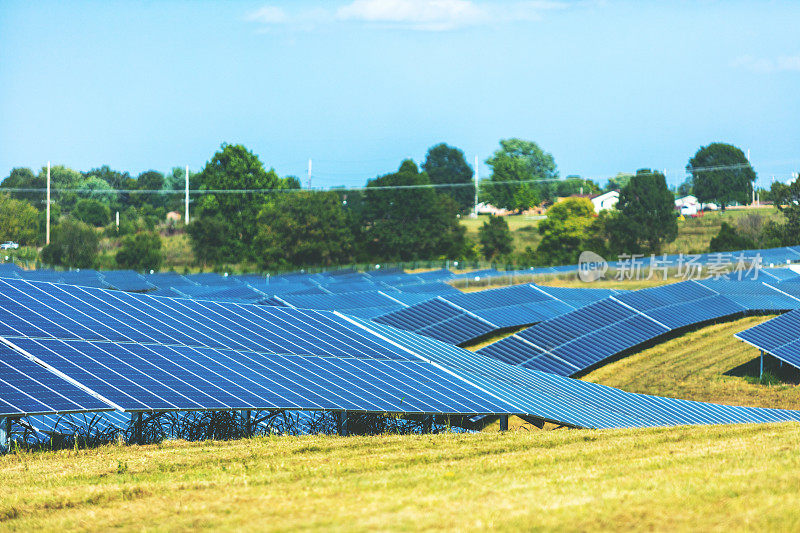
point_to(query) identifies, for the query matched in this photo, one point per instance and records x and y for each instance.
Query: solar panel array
(569, 401)
(465, 317)
(779, 337)
(145, 353)
(573, 342)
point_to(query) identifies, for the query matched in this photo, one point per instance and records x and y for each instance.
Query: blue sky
(359, 85)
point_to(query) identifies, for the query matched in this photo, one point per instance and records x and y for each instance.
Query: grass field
(705, 365)
(689, 478)
(694, 234)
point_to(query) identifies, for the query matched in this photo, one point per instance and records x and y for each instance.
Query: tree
(150, 181)
(728, 240)
(19, 221)
(575, 185)
(619, 181)
(233, 167)
(140, 252)
(685, 188)
(518, 160)
(445, 165)
(96, 189)
(91, 212)
(721, 173)
(116, 180)
(495, 238)
(647, 217)
(787, 200)
(564, 230)
(303, 228)
(409, 224)
(23, 178)
(72, 244)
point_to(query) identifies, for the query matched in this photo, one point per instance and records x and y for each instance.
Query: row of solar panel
(578, 340)
(405, 372)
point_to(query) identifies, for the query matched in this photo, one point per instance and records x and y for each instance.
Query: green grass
(689, 478)
(698, 366)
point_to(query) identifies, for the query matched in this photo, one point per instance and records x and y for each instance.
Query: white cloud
(269, 15)
(425, 15)
(416, 14)
(765, 65)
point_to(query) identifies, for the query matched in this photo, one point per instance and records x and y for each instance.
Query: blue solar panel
(779, 337)
(580, 339)
(574, 402)
(29, 388)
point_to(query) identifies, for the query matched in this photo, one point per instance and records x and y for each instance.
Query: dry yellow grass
(689, 478)
(694, 367)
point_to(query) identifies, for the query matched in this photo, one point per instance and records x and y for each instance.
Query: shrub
(140, 252)
(73, 244)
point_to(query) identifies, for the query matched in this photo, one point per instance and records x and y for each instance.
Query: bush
(140, 252)
(73, 244)
(92, 212)
(727, 240)
(495, 238)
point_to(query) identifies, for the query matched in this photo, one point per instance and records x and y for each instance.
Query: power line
(483, 183)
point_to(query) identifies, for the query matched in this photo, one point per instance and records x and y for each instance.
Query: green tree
(575, 185)
(518, 160)
(95, 188)
(685, 188)
(91, 212)
(19, 221)
(446, 165)
(24, 178)
(233, 167)
(564, 231)
(149, 182)
(721, 173)
(409, 224)
(140, 252)
(787, 200)
(303, 228)
(646, 219)
(525, 197)
(495, 238)
(116, 180)
(728, 240)
(72, 244)
(619, 181)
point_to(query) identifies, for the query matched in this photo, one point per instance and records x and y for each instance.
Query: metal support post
(5, 434)
(504, 423)
(248, 424)
(136, 418)
(761, 372)
(427, 424)
(342, 423)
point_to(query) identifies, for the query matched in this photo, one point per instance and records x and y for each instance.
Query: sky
(359, 85)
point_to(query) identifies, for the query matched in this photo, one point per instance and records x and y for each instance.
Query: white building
(605, 201)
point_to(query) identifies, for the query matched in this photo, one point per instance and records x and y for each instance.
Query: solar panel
(779, 337)
(28, 388)
(146, 353)
(575, 341)
(570, 401)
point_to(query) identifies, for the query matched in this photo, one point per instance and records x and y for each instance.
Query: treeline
(246, 214)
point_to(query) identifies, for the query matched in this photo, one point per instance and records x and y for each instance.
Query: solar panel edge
(111, 405)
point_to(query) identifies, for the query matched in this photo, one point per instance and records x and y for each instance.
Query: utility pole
(309, 172)
(47, 231)
(186, 218)
(475, 175)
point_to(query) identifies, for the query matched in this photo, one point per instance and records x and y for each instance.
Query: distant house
(489, 209)
(607, 200)
(173, 217)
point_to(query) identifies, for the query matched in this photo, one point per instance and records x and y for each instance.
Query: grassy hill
(720, 478)
(707, 365)
(686, 478)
